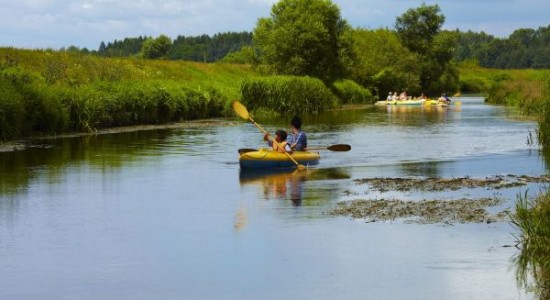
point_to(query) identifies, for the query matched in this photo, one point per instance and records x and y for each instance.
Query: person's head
(280, 135)
(296, 123)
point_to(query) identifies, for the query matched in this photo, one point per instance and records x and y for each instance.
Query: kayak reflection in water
(280, 186)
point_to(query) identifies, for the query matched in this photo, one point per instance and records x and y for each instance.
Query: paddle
(337, 148)
(241, 110)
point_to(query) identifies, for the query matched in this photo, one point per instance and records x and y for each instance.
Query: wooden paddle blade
(240, 110)
(301, 167)
(246, 150)
(339, 147)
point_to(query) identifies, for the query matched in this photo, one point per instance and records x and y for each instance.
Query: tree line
(310, 38)
(524, 48)
(202, 48)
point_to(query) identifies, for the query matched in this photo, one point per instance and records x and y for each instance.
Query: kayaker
(444, 99)
(282, 145)
(298, 138)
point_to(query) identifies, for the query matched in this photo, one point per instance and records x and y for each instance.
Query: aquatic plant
(532, 220)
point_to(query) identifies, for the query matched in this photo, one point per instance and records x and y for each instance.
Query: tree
(383, 64)
(418, 27)
(102, 48)
(305, 37)
(156, 48)
(420, 31)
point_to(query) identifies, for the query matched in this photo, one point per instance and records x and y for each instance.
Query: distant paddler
(444, 99)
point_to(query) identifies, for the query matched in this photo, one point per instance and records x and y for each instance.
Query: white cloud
(85, 23)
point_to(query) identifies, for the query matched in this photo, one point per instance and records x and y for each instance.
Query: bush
(351, 92)
(12, 111)
(122, 104)
(28, 106)
(53, 92)
(287, 94)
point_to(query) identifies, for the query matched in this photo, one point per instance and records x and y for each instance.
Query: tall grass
(287, 94)
(532, 219)
(528, 90)
(52, 92)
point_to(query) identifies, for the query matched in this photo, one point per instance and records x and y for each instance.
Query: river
(167, 214)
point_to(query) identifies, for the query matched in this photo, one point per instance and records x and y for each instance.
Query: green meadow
(49, 92)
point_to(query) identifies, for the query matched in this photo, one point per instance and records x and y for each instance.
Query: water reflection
(289, 184)
(280, 185)
(418, 115)
(427, 168)
(533, 266)
(51, 158)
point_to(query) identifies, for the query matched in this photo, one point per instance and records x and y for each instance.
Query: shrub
(287, 94)
(121, 104)
(351, 92)
(12, 111)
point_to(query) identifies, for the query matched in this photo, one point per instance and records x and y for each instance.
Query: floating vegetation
(423, 212)
(433, 184)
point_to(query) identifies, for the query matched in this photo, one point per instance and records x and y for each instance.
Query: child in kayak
(282, 145)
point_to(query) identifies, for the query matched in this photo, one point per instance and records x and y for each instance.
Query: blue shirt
(299, 139)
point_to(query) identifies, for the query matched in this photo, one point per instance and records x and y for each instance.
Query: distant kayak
(400, 102)
(435, 103)
(417, 102)
(268, 159)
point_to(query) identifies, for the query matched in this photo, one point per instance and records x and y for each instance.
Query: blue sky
(85, 23)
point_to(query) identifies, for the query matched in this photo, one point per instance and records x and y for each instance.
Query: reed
(532, 219)
(287, 94)
(48, 92)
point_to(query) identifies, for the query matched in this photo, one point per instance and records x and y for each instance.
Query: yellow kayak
(431, 102)
(400, 102)
(268, 159)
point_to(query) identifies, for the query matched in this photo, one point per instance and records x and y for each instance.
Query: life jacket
(282, 147)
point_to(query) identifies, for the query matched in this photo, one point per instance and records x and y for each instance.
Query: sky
(85, 23)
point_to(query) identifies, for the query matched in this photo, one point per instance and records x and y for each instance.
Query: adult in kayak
(298, 138)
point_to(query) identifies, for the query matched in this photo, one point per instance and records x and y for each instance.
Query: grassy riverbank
(527, 90)
(50, 92)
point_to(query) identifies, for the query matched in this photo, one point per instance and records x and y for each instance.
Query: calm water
(168, 215)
